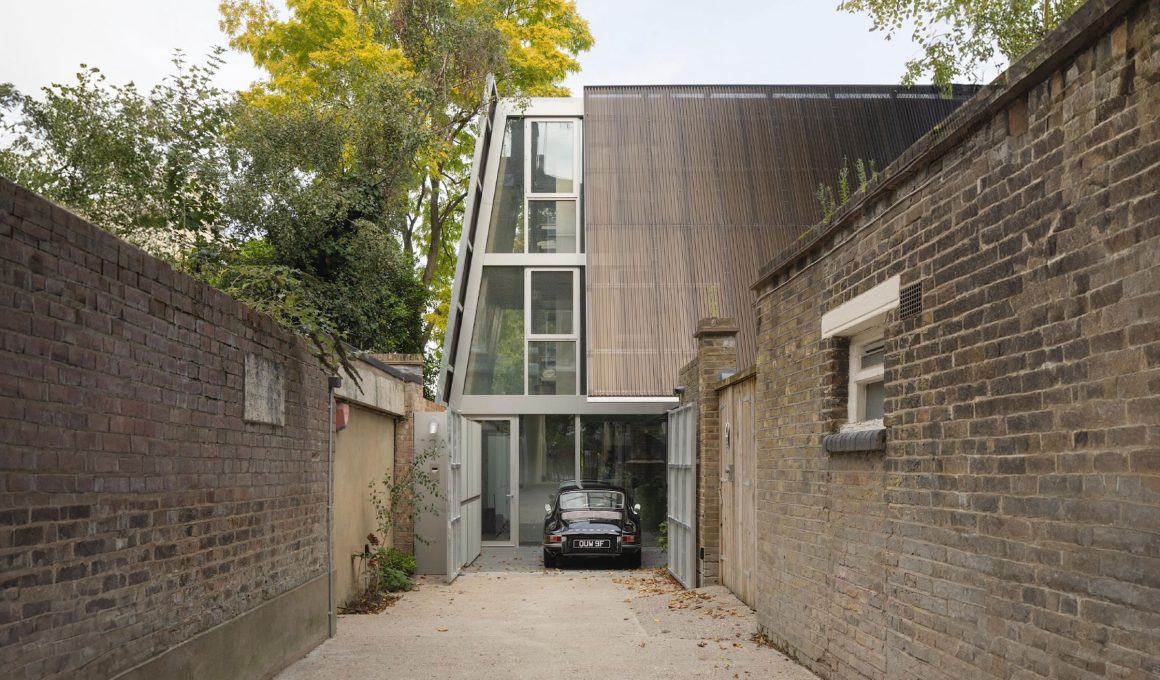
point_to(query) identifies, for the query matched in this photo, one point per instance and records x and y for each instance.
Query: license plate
(591, 543)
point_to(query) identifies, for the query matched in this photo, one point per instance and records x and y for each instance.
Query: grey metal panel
(471, 211)
(689, 190)
(682, 495)
(431, 546)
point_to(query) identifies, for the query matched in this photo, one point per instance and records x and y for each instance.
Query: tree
(148, 167)
(291, 213)
(444, 49)
(958, 37)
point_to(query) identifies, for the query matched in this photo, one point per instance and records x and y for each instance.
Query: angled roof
(689, 190)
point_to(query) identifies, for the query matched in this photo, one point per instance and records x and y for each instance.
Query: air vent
(910, 301)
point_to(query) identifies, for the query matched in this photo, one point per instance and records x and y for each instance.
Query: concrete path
(559, 623)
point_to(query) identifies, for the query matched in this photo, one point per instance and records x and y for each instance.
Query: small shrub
(393, 580)
(663, 536)
(396, 559)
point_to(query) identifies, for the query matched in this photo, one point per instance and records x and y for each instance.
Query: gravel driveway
(565, 623)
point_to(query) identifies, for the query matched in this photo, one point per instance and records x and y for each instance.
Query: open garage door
(682, 514)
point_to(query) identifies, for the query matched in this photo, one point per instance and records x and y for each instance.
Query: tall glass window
(553, 157)
(629, 451)
(495, 364)
(506, 232)
(547, 457)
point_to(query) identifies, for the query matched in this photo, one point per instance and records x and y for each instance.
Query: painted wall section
(364, 453)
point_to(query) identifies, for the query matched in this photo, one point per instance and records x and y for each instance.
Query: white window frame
(572, 196)
(863, 320)
(860, 377)
(530, 337)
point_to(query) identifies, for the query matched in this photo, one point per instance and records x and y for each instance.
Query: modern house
(599, 230)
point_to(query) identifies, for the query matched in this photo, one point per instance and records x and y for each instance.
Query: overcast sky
(637, 42)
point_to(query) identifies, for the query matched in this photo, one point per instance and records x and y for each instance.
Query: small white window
(862, 319)
(867, 385)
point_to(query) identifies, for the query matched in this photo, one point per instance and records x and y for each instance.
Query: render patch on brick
(265, 397)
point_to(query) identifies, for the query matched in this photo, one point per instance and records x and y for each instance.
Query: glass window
(495, 364)
(506, 231)
(553, 157)
(875, 400)
(552, 225)
(552, 303)
(592, 500)
(629, 451)
(552, 367)
(495, 483)
(547, 457)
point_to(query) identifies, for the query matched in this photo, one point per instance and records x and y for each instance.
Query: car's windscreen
(591, 500)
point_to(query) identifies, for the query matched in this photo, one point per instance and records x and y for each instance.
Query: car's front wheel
(549, 559)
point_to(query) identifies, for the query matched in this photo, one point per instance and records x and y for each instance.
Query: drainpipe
(333, 382)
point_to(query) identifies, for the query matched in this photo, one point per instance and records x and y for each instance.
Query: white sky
(637, 42)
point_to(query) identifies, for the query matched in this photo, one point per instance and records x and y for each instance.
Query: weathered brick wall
(1012, 527)
(137, 509)
(716, 353)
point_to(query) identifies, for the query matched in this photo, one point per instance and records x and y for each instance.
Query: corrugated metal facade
(689, 190)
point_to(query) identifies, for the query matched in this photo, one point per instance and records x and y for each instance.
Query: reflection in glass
(552, 303)
(506, 232)
(875, 400)
(496, 483)
(552, 367)
(547, 457)
(552, 225)
(629, 451)
(495, 364)
(553, 157)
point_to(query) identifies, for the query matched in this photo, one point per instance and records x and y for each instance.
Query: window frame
(860, 377)
(572, 196)
(529, 337)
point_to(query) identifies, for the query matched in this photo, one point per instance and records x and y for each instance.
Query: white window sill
(875, 424)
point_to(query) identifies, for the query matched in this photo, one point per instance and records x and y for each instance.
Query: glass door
(499, 500)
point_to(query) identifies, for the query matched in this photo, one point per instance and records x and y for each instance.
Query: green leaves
(960, 37)
(148, 167)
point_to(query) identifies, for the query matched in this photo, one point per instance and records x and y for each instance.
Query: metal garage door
(682, 515)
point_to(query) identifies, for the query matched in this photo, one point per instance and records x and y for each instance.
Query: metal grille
(910, 301)
(690, 190)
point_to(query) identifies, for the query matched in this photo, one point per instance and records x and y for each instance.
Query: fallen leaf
(442, 629)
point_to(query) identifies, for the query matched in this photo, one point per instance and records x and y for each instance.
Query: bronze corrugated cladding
(689, 190)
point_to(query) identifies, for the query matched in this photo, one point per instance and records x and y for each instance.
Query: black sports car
(592, 519)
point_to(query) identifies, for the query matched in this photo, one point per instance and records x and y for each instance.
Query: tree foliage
(958, 37)
(269, 208)
(440, 52)
(147, 166)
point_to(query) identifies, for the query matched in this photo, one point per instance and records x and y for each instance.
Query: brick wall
(1012, 527)
(137, 508)
(404, 531)
(716, 353)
